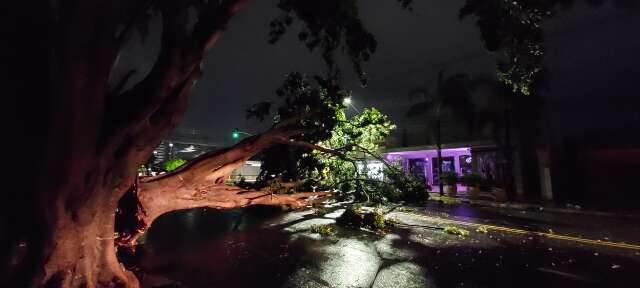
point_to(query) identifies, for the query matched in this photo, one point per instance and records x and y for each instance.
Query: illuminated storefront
(423, 163)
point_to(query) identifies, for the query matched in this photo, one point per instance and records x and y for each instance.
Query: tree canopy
(515, 30)
(333, 151)
(310, 108)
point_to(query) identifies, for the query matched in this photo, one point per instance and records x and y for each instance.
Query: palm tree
(453, 95)
(497, 115)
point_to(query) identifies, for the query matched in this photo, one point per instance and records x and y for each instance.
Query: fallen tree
(201, 183)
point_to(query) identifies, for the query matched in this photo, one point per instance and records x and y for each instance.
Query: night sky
(243, 68)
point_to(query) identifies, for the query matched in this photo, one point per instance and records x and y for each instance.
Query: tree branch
(180, 55)
(149, 134)
(336, 152)
(117, 89)
(122, 37)
(157, 200)
(200, 182)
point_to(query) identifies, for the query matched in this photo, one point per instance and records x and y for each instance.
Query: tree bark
(79, 248)
(201, 183)
(84, 140)
(82, 251)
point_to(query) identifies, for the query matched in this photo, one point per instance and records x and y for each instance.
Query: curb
(595, 242)
(539, 208)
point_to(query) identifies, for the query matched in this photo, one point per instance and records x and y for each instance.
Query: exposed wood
(201, 183)
(157, 200)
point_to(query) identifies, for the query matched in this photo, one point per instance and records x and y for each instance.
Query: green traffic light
(235, 135)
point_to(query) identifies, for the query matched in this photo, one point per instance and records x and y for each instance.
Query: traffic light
(235, 135)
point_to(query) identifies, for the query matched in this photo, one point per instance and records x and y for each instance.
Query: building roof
(474, 145)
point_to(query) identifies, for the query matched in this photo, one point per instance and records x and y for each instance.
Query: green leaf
(173, 164)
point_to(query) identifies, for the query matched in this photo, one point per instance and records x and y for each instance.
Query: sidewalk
(572, 222)
(574, 209)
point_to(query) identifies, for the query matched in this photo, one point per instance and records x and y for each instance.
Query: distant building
(249, 171)
(462, 158)
(190, 144)
(181, 144)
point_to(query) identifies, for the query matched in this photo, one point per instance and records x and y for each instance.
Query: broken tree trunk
(201, 183)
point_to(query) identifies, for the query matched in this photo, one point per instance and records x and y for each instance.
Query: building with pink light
(462, 158)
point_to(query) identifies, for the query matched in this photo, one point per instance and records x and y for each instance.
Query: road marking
(535, 233)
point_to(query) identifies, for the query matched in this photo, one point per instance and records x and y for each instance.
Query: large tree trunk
(85, 138)
(81, 250)
(77, 193)
(65, 224)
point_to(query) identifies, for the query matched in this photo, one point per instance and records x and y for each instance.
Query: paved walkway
(488, 201)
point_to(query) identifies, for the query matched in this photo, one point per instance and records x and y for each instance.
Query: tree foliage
(359, 138)
(337, 147)
(329, 25)
(308, 108)
(173, 164)
(515, 30)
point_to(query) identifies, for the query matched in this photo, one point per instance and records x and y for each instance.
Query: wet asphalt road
(264, 247)
(614, 227)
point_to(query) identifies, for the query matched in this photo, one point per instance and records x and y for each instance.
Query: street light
(170, 150)
(349, 102)
(235, 134)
